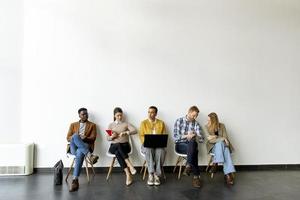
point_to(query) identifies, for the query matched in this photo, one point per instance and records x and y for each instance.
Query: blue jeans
(79, 149)
(191, 149)
(222, 155)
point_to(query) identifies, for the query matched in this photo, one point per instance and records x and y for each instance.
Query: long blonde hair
(214, 123)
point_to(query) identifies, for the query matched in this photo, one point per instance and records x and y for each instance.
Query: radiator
(16, 159)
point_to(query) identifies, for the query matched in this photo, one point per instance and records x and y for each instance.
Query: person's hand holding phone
(190, 135)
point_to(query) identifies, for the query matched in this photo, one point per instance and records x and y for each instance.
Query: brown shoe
(74, 186)
(196, 182)
(93, 159)
(187, 170)
(229, 179)
(213, 168)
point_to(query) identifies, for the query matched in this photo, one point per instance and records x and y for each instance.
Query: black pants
(191, 149)
(121, 151)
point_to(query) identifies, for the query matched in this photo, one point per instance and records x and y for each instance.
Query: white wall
(11, 39)
(237, 58)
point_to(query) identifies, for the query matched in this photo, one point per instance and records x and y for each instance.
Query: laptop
(156, 140)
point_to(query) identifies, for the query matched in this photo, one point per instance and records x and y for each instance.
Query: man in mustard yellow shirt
(155, 157)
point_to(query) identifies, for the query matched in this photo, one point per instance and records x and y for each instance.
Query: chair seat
(110, 154)
(180, 154)
(69, 155)
(142, 153)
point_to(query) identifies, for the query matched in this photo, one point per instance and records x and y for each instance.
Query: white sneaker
(156, 180)
(150, 180)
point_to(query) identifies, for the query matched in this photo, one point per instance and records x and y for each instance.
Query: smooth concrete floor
(250, 185)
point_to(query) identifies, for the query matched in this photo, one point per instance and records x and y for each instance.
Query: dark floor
(264, 185)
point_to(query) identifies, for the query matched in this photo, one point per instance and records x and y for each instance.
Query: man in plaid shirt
(186, 132)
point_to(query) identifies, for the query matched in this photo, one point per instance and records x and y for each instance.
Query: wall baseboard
(202, 168)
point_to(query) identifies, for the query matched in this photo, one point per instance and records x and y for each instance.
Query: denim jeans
(79, 149)
(191, 149)
(222, 155)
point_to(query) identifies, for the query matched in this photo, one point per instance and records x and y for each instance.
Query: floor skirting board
(202, 168)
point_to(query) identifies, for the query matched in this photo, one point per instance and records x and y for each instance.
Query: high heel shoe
(129, 180)
(213, 169)
(132, 171)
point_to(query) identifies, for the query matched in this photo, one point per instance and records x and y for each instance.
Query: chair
(181, 159)
(144, 166)
(113, 156)
(86, 162)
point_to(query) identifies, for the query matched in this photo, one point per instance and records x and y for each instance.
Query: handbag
(58, 173)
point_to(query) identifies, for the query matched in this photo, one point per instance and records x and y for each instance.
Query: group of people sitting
(187, 134)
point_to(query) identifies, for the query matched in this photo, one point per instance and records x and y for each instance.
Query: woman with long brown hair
(219, 146)
(120, 143)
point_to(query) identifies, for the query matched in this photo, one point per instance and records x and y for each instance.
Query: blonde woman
(219, 145)
(120, 143)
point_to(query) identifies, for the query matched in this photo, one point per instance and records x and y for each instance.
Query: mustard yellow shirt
(149, 127)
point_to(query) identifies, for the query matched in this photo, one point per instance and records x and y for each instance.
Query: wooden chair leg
(179, 173)
(70, 169)
(145, 171)
(93, 170)
(110, 168)
(163, 172)
(178, 159)
(143, 167)
(209, 162)
(87, 169)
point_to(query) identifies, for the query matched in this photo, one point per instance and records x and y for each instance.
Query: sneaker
(156, 180)
(93, 159)
(196, 182)
(150, 180)
(74, 185)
